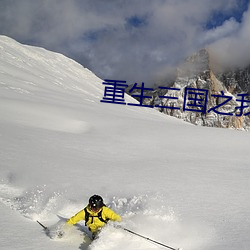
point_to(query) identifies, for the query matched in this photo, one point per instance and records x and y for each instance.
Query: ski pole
(146, 238)
(45, 228)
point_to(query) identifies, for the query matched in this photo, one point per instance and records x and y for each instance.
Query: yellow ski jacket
(94, 223)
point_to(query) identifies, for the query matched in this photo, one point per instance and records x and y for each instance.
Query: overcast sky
(132, 40)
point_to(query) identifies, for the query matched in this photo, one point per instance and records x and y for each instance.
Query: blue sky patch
(219, 17)
(136, 21)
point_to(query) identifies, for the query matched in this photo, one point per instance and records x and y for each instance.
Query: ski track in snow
(42, 116)
(145, 214)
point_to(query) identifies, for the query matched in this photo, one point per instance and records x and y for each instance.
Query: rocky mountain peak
(212, 99)
(194, 65)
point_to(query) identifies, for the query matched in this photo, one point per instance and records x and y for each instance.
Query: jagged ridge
(198, 72)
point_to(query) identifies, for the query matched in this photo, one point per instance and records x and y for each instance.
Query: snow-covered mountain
(182, 185)
(202, 75)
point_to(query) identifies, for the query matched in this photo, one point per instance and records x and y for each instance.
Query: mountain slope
(182, 185)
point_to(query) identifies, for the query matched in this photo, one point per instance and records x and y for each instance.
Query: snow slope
(176, 183)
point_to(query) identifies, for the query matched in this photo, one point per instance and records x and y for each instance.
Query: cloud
(232, 50)
(228, 28)
(133, 40)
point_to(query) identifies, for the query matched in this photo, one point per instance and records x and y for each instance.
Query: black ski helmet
(96, 202)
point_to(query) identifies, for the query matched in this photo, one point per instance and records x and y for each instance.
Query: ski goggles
(94, 208)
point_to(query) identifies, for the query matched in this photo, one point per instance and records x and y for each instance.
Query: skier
(95, 214)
